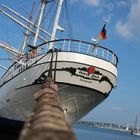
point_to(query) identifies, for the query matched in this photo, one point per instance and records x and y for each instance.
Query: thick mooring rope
(48, 121)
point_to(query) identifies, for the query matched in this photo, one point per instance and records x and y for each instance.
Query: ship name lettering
(87, 81)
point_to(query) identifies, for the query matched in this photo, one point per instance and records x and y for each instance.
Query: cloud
(109, 6)
(92, 2)
(123, 3)
(123, 30)
(87, 2)
(130, 28)
(116, 108)
(73, 1)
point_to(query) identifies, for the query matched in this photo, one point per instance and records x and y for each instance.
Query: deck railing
(71, 45)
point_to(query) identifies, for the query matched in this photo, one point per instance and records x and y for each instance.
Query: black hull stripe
(53, 62)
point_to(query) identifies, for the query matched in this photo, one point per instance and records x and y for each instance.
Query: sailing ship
(135, 130)
(85, 72)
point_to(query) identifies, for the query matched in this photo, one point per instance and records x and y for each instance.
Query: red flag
(103, 33)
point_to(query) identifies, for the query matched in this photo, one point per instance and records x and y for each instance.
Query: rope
(50, 69)
(55, 64)
(48, 121)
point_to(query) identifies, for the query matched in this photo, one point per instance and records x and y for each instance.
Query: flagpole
(97, 41)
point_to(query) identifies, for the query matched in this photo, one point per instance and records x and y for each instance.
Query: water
(10, 132)
(90, 133)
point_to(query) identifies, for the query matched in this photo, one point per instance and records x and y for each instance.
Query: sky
(123, 37)
(123, 33)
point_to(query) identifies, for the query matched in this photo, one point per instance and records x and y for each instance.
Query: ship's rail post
(113, 59)
(107, 55)
(64, 42)
(103, 53)
(88, 48)
(79, 46)
(48, 121)
(95, 50)
(69, 45)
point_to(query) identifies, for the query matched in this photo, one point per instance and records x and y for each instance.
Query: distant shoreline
(112, 126)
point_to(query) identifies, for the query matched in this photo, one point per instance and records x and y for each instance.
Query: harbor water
(82, 133)
(91, 133)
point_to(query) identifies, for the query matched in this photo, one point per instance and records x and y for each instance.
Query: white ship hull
(85, 72)
(136, 133)
(79, 91)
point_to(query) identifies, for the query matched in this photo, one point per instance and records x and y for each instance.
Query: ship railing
(78, 46)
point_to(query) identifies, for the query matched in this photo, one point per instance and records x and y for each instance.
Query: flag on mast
(103, 32)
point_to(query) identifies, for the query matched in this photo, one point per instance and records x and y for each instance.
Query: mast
(25, 19)
(27, 31)
(56, 26)
(136, 121)
(39, 21)
(10, 49)
(21, 24)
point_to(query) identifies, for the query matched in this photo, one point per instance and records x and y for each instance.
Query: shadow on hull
(10, 129)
